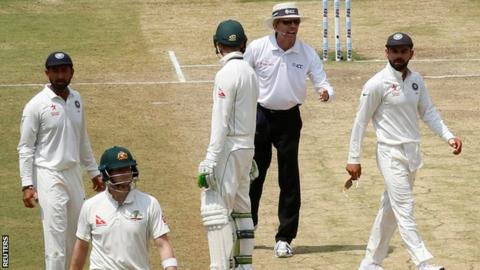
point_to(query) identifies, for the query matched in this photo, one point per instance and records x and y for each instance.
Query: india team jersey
(53, 135)
(394, 105)
(120, 234)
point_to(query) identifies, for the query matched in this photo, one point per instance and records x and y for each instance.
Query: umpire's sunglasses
(290, 22)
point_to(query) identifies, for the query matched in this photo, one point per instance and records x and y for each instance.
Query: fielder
(225, 204)
(392, 99)
(53, 144)
(121, 220)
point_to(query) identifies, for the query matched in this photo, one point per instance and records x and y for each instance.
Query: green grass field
(166, 125)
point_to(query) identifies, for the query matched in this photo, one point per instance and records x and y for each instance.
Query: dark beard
(398, 67)
(59, 85)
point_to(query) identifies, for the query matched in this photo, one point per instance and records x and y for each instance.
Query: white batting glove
(206, 174)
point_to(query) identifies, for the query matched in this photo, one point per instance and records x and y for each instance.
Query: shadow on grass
(324, 248)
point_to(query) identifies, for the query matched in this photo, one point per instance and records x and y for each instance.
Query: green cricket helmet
(117, 157)
(230, 33)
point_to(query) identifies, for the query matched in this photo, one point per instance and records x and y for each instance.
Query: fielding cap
(230, 33)
(399, 39)
(58, 59)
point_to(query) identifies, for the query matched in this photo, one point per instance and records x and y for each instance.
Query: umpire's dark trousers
(282, 130)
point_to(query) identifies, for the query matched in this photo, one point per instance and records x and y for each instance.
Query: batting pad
(244, 240)
(219, 230)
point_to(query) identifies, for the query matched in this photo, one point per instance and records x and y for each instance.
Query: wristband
(169, 263)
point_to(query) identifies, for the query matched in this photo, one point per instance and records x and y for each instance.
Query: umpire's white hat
(287, 10)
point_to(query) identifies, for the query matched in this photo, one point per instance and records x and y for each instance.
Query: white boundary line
(181, 77)
(368, 61)
(451, 76)
(424, 60)
(200, 66)
(201, 81)
(176, 65)
(110, 83)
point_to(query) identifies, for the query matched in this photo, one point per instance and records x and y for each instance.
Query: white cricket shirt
(282, 74)
(234, 112)
(394, 106)
(53, 135)
(120, 234)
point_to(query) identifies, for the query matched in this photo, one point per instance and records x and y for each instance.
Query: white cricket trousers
(396, 206)
(60, 195)
(233, 180)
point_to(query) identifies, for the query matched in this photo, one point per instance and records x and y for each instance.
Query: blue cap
(399, 39)
(58, 59)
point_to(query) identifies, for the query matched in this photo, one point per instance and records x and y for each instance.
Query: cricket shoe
(283, 250)
(365, 265)
(425, 266)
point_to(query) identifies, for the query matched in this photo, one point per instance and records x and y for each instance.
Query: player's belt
(293, 109)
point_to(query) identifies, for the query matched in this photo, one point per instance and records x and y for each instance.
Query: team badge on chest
(136, 215)
(415, 88)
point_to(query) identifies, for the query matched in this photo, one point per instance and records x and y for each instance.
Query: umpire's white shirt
(394, 105)
(234, 110)
(53, 135)
(120, 234)
(282, 74)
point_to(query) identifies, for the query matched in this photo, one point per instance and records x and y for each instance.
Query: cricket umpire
(282, 63)
(394, 99)
(53, 144)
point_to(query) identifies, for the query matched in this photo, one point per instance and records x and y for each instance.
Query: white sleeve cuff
(27, 182)
(353, 160)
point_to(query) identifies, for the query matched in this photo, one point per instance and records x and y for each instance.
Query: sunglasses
(290, 22)
(348, 184)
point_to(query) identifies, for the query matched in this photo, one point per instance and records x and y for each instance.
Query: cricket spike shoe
(424, 266)
(366, 265)
(283, 250)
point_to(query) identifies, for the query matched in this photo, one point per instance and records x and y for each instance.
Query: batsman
(228, 167)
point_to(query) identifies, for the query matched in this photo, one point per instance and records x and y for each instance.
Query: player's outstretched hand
(30, 197)
(98, 184)
(456, 143)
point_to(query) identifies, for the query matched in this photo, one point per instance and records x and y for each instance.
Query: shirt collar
(229, 56)
(397, 74)
(49, 92)
(130, 197)
(274, 45)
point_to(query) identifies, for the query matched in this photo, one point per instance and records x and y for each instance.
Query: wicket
(348, 29)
